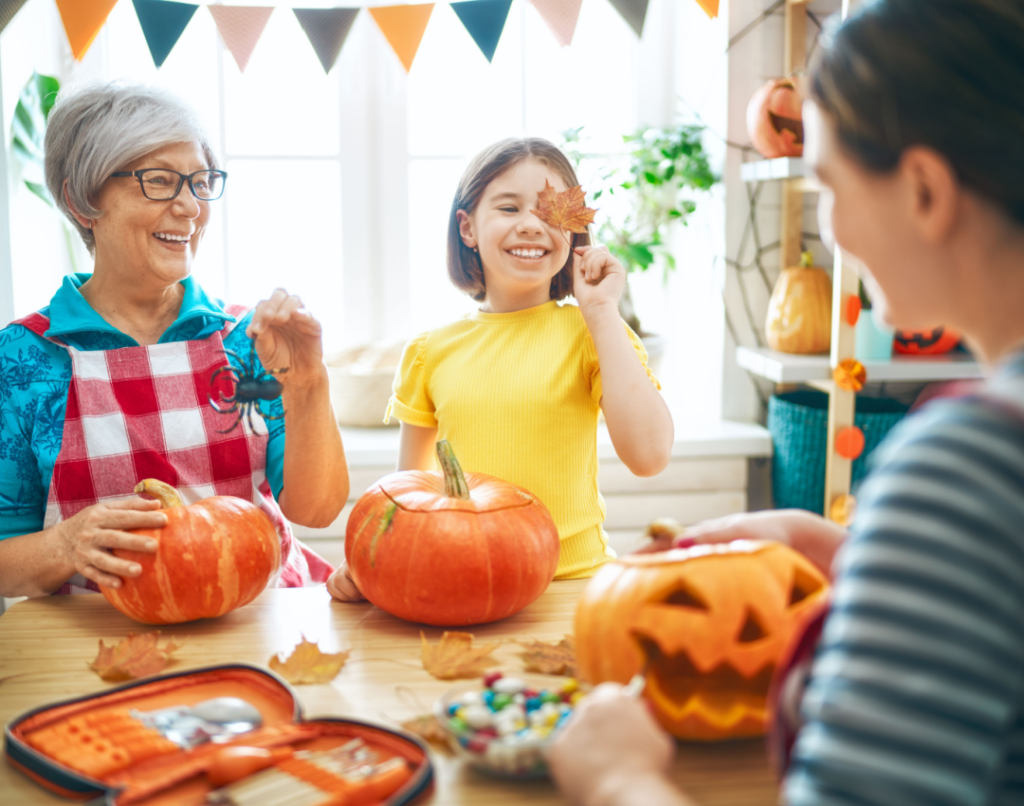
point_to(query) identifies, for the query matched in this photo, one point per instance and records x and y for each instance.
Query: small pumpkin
(775, 119)
(448, 548)
(936, 341)
(707, 623)
(212, 557)
(799, 318)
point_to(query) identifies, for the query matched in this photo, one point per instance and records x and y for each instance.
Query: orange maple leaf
(566, 210)
(135, 656)
(554, 658)
(454, 657)
(307, 664)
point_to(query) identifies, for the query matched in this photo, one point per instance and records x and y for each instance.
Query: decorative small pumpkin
(212, 557)
(707, 623)
(799, 318)
(926, 342)
(775, 119)
(448, 548)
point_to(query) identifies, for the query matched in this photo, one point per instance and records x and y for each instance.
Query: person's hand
(341, 586)
(813, 536)
(610, 745)
(287, 337)
(85, 540)
(597, 279)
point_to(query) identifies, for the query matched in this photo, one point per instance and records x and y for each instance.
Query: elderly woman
(111, 383)
(916, 694)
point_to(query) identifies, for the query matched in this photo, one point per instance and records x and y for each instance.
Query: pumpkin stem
(454, 480)
(162, 492)
(806, 259)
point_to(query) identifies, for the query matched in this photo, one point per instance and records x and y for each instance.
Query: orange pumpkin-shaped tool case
(117, 744)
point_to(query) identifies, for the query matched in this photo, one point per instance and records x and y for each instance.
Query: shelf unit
(817, 370)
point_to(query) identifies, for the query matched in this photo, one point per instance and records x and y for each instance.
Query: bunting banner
(403, 27)
(710, 7)
(241, 28)
(82, 21)
(163, 23)
(561, 17)
(634, 12)
(8, 8)
(485, 20)
(326, 29)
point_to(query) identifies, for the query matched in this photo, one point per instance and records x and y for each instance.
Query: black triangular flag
(634, 12)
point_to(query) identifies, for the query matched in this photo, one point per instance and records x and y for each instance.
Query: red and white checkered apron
(144, 413)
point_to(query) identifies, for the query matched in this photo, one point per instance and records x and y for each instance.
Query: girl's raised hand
(287, 336)
(598, 278)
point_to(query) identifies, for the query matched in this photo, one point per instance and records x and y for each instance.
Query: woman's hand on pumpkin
(86, 539)
(597, 279)
(342, 587)
(287, 337)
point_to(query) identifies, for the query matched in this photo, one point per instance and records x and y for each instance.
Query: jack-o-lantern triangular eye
(752, 630)
(804, 585)
(684, 597)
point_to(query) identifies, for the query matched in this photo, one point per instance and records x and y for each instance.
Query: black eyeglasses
(161, 184)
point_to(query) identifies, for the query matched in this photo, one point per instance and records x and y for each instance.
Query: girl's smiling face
(520, 254)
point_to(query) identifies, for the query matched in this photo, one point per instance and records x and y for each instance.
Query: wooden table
(46, 645)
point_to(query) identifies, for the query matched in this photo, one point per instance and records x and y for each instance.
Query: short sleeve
(597, 390)
(410, 399)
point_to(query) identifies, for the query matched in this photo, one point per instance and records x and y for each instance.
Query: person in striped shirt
(916, 695)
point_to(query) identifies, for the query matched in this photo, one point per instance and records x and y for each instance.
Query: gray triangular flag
(8, 8)
(326, 29)
(633, 11)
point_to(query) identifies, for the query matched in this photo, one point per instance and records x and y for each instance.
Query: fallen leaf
(566, 210)
(454, 656)
(135, 656)
(429, 729)
(545, 658)
(307, 664)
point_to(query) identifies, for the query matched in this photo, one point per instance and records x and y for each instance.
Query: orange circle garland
(850, 375)
(853, 307)
(843, 510)
(850, 442)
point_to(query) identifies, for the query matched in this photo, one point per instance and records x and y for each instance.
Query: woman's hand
(86, 539)
(342, 587)
(287, 336)
(613, 752)
(598, 278)
(813, 536)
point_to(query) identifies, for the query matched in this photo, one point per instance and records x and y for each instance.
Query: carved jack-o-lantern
(708, 624)
(926, 342)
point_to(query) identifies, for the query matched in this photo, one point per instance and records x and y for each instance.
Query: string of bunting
(164, 21)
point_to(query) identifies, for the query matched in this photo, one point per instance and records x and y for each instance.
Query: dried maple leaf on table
(553, 658)
(307, 664)
(566, 210)
(454, 657)
(135, 656)
(429, 729)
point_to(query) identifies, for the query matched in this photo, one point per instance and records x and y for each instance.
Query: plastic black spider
(249, 389)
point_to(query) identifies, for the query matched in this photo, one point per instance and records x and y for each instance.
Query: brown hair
(946, 74)
(464, 266)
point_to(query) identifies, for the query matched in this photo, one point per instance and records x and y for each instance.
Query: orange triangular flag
(82, 21)
(561, 17)
(710, 7)
(241, 28)
(403, 27)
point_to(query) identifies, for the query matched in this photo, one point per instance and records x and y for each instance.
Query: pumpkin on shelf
(450, 549)
(708, 624)
(936, 341)
(799, 318)
(212, 556)
(775, 119)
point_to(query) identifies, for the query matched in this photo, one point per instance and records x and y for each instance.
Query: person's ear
(466, 229)
(81, 219)
(935, 191)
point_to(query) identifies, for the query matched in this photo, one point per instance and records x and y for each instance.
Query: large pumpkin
(799, 318)
(936, 341)
(775, 120)
(212, 556)
(707, 623)
(448, 548)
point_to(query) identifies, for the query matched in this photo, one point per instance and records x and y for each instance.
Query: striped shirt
(917, 689)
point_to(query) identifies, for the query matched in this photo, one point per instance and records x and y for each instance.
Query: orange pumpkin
(707, 623)
(448, 548)
(775, 120)
(799, 318)
(926, 342)
(212, 557)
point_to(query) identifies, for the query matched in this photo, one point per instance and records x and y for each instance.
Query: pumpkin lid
(697, 552)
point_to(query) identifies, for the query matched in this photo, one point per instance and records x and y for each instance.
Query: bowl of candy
(503, 725)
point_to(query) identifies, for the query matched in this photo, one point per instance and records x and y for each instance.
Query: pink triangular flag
(560, 16)
(241, 28)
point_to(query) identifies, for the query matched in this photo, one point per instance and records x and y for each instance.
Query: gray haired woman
(116, 380)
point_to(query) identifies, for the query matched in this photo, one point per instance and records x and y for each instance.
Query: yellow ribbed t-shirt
(517, 396)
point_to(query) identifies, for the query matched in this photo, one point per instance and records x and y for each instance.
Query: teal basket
(798, 422)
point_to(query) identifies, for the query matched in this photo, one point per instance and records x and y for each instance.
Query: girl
(515, 387)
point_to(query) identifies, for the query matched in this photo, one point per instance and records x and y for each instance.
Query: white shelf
(780, 168)
(786, 368)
